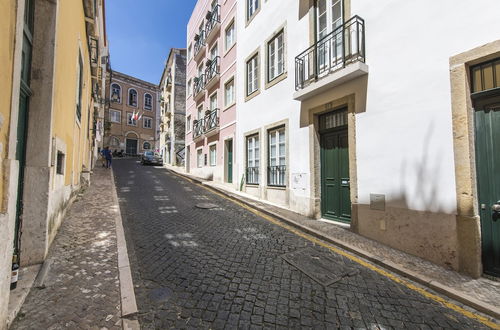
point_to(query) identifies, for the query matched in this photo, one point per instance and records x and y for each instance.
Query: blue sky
(141, 33)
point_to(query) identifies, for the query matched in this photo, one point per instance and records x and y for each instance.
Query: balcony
(211, 123)
(199, 87)
(213, 24)
(199, 45)
(212, 72)
(335, 59)
(198, 129)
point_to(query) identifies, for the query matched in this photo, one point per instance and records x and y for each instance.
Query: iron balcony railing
(212, 69)
(199, 42)
(213, 18)
(276, 175)
(198, 128)
(199, 84)
(252, 175)
(344, 45)
(211, 120)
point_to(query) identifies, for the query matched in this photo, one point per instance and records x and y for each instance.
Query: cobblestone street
(226, 267)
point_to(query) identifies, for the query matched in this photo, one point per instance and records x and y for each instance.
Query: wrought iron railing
(212, 68)
(276, 175)
(199, 42)
(198, 128)
(213, 17)
(212, 120)
(199, 84)
(252, 175)
(344, 45)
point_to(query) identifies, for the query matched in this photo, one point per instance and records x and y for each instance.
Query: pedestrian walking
(106, 153)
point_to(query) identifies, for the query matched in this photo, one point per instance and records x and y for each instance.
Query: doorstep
(481, 294)
(27, 276)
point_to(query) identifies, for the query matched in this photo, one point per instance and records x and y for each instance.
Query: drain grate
(323, 268)
(206, 206)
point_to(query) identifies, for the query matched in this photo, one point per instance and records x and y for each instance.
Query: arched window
(148, 101)
(132, 97)
(146, 146)
(116, 93)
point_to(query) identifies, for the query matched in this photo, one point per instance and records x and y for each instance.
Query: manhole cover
(324, 268)
(160, 295)
(206, 206)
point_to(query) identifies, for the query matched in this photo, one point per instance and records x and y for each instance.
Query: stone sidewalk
(481, 294)
(79, 284)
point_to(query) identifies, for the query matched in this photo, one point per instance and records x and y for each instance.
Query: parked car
(150, 157)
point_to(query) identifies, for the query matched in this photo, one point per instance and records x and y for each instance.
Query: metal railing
(276, 175)
(344, 45)
(94, 50)
(211, 120)
(198, 128)
(199, 42)
(213, 17)
(199, 84)
(252, 175)
(212, 68)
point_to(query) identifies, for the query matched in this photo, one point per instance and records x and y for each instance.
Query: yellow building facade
(54, 56)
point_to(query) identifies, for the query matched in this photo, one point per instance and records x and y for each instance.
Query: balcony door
(329, 18)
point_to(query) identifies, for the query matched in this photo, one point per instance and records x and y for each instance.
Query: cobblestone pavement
(223, 268)
(81, 287)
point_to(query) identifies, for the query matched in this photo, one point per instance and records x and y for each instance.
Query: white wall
(276, 103)
(404, 139)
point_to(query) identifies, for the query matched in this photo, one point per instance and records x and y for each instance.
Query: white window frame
(134, 122)
(199, 155)
(200, 113)
(252, 8)
(111, 112)
(252, 75)
(212, 154)
(144, 118)
(119, 94)
(230, 36)
(213, 105)
(231, 92)
(253, 156)
(188, 123)
(189, 87)
(280, 159)
(136, 97)
(145, 106)
(274, 68)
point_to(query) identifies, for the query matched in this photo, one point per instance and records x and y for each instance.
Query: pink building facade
(211, 99)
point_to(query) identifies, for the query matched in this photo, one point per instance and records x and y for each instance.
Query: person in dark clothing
(106, 153)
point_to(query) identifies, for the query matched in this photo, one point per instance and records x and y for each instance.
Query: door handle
(496, 207)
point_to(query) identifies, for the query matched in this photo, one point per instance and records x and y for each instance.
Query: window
(146, 146)
(275, 57)
(277, 158)
(230, 36)
(147, 122)
(214, 52)
(148, 101)
(130, 120)
(252, 7)
(60, 163)
(213, 155)
(114, 142)
(213, 101)
(199, 157)
(79, 91)
(200, 112)
(188, 123)
(253, 74)
(189, 88)
(115, 116)
(189, 52)
(253, 159)
(132, 97)
(116, 93)
(229, 93)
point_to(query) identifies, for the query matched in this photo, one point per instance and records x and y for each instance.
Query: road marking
(363, 263)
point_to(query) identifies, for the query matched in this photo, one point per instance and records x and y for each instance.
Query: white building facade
(342, 115)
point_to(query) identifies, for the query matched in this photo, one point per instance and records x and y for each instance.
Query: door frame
(322, 133)
(467, 219)
(136, 146)
(226, 158)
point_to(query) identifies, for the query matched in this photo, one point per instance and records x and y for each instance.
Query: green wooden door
(335, 187)
(230, 161)
(487, 120)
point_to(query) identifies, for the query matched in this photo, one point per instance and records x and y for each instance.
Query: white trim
(227, 125)
(227, 69)
(144, 102)
(229, 12)
(227, 81)
(143, 122)
(121, 92)
(128, 97)
(117, 111)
